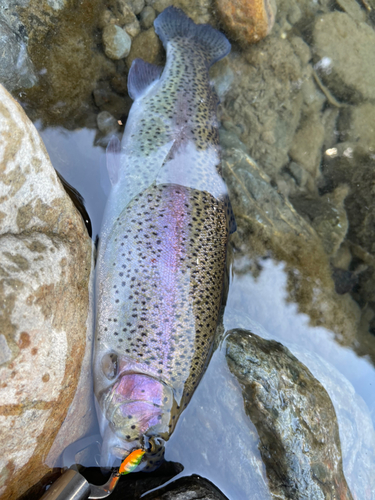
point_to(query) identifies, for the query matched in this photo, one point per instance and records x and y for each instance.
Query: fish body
(162, 251)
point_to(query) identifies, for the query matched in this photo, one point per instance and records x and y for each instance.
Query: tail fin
(174, 22)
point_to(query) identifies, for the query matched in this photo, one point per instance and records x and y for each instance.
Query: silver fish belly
(162, 250)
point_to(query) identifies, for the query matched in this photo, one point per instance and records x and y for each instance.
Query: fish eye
(110, 365)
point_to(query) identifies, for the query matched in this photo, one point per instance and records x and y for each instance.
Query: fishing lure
(131, 462)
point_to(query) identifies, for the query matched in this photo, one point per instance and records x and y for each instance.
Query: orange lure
(131, 462)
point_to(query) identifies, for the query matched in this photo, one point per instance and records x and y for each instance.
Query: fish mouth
(135, 412)
(114, 450)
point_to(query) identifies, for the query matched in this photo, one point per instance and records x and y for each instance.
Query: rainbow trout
(162, 251)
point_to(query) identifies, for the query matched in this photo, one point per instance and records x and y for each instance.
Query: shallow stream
(298, 133)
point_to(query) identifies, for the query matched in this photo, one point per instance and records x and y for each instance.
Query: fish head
(134, 412)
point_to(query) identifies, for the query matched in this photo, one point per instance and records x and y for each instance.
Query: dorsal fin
(141, 75)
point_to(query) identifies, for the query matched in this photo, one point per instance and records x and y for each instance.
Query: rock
(69, 61)
(353, 9)
(133, 29)
(16, 69)
(120, 84)
(147, 17)
(47, 317)
(301, 49)
(299, 174)
(327, 216)
(269, 226)
(307, 144)
(136, 5)
(250, 350)
(294, 417)
(116, 42)
(185, 488)
(344, 57)
(57, 4)
(106, 17)
(107, 100)
(159, 5)
(344, 280)
(264, 100)
(357, 124)
(147, 46)
(353, 166)
(107, 123)
(247, 21)
(122, 11)
(188, 488)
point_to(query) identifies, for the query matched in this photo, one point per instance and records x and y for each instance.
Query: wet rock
(301, 49)
(116, 42)
(294, 417)
(344, 280)
(16, 69)
(327, 216)
(69, 62)
(106, 17)
(107, 123)
(307, 144)
(185, 488)
(357, 124)
(147, 46)
(120, 84)
(148, 15)
(46, 322)
(357, 435)
(269, 225)
(107, 100)
(159, 5)
(188, 488)
(136, 6)
(264, 100)
(198, 10)
(133, 29)
(344, 57)
(354, 166)
(247, 21)
(353, 10)
(299, 174)
(122, 12)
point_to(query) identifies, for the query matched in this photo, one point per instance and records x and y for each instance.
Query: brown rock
(248, 21)
(147, 46)
(45, 325)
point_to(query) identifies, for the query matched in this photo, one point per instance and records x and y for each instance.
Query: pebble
(147, 17)
(107, 123)
(247, 20)
(133, 29)
(117, 42)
